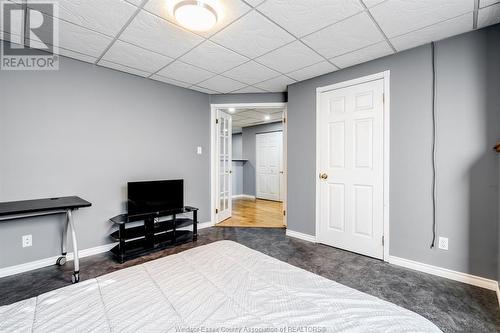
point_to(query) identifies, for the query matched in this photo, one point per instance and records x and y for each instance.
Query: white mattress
(223, 285)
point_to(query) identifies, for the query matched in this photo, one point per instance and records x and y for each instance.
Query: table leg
(62, 259)
(76, 273)
(195, 225)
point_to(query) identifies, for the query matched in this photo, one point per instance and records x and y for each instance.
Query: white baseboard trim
(243, 196)
(498, 293)
(446, 273)
(11, 270)
(300, 235)
(205, 225)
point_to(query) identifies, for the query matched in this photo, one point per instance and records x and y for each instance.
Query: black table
(39, 207)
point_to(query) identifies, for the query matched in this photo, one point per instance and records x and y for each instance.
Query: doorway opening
(248, 165)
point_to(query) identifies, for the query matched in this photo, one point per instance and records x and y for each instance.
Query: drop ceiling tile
(254, 3)
(76, 55)
(486, 3)
(156, 34)
(75, 38)
(434, 32)
(157, 77)
(397, 17)
(312, 71)
(252, 35)
(135, 2)
(248, 90)
(278, 84)
(122, 68)
(290, 57)
(104, 16)
(371, 3)
(251, 72)
(222, 84)
(352, 34)
(227, 12)
(488, 16)
(204, 90)
(136, 57)
(365, 54)
(302, 17)
(185, 72)
(213, 57)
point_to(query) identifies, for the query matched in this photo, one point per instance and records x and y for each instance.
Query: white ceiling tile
(277, 84)
(76, 55)
(485, 3)
(397, 17)
(227, 12)
(248, 90)
(156, 34)
(185, 72)
(352, 34)
(312, 71)
(157, 77)
(488, 16)
(254, 3)
(78, 39)
(365, 54)
(104, 16)
(213, 57)
(251, 72)
(371, 3)
(222, 84)
(252, 35)
(136, 57)
(135, 2)
(435, 32)
(122, 68)
(302, 17)
(204, 90)
(290, 57)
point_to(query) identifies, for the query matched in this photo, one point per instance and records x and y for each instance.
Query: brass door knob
(323, 176)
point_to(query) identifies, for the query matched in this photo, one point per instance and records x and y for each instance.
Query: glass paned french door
(224, 161)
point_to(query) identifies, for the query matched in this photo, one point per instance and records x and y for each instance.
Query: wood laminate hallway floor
(256, 213)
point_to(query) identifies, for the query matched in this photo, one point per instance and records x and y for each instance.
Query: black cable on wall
(434, 127)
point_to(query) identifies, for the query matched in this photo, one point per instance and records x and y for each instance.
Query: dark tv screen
(155, 196)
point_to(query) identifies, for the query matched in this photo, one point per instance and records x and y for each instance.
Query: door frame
(386, 160)
(213, 160)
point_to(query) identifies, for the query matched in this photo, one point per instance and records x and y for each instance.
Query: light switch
(199, 150)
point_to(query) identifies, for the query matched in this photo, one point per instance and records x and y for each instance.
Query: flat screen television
(155, 196)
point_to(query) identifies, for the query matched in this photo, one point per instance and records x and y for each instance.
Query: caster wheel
(61, 261)
(75, 277)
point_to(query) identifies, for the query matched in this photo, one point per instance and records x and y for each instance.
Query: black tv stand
(153, 234)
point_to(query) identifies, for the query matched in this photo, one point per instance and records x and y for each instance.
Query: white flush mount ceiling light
(231, 110)
(195, 15)
(267, 117)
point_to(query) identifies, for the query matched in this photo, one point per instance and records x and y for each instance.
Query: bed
(219, 287)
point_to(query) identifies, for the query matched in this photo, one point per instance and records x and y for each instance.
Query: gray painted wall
(249, 152)
(86, 130)
(468, 124)
(237, 145)
(249, 98)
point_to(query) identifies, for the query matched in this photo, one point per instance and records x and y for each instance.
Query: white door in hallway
(351, 168)
(224, 163)
(269, 165)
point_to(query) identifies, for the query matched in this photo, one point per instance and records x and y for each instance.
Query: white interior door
(269, 164)
(351, 165)
(224, 163)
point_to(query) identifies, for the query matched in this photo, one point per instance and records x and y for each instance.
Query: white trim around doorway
(387, 125)
(213, 116)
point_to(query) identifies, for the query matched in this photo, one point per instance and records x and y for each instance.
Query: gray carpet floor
(451, 305)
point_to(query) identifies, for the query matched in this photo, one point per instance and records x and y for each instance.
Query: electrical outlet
(443, 243)
(27, 240)
(199, 150)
